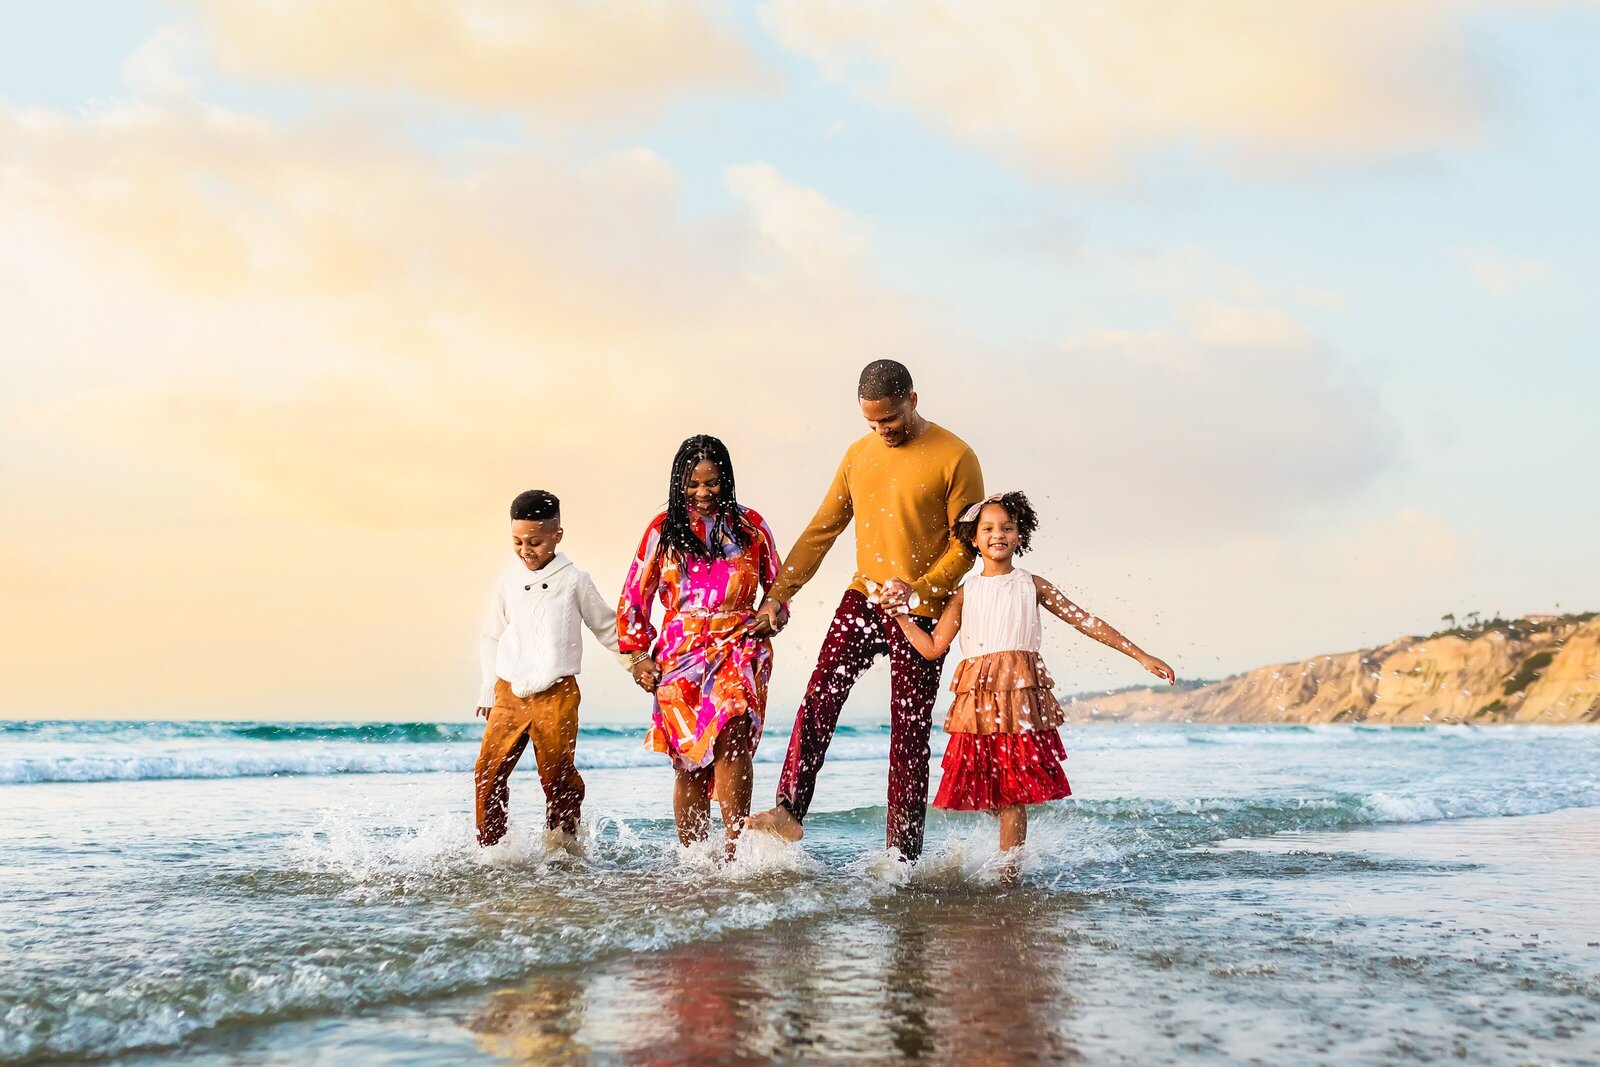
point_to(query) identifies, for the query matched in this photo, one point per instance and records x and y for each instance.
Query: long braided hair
(677, 533)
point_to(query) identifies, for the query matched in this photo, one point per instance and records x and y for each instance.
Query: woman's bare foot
(778, 821)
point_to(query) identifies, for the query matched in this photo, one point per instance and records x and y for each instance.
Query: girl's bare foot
(778, 821)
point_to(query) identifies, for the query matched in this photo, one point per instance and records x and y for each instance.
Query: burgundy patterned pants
(859, 634)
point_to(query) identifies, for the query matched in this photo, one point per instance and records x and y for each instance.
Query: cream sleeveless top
(999, 614)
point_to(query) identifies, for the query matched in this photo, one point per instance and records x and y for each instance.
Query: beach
(1210, 894)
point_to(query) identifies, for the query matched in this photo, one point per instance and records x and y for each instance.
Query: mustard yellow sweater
(904, 501)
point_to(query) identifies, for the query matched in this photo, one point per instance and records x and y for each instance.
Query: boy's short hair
(536, 505)
(884, 379)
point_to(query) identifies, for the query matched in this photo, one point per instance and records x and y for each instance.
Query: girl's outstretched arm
(1055, 601)
(943, 633)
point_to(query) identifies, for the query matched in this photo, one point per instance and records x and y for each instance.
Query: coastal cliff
(1539, 669)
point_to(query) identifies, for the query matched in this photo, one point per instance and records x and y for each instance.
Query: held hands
(646, 675)
(768, 620)
(894, 596)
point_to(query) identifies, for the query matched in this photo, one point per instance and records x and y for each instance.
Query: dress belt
(715, 623)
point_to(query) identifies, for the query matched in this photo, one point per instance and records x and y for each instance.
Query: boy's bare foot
(778, 821)
(562, 841)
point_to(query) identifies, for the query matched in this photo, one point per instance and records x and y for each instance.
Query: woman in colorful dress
(708, 559)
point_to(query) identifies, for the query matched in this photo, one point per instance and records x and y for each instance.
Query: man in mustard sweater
(904, 484)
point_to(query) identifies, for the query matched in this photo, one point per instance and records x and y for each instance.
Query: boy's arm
(1055, 601)
(832, 516)
(944, 632)
(966, 487)
(599, 617)
(494, 624)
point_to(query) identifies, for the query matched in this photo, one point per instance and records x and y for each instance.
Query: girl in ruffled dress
(1004, 751)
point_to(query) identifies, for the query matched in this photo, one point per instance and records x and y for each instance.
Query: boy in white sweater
(531, 651)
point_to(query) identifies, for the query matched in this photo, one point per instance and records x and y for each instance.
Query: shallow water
(1315, 894)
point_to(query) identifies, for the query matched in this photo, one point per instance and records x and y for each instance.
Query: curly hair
(677, 533)
(1016, 505)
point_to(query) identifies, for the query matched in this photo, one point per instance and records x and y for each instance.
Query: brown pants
(550, 720)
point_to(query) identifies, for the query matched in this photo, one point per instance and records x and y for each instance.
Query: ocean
(294, 893)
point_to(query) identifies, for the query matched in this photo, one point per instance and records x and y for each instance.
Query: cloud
(156, 68)
(799, 222)
(1421, 544)
(1183, 271)
(309, 364)
(569, 59)
(398, 255)
(276, 383)
(1504, 274)
(1089, 92)
(352, 319)
(1233, 418)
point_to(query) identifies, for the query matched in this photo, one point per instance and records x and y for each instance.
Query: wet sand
(1468, 941)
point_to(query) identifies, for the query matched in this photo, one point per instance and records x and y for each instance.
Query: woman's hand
(483, 713)
(646, 675)
(768, 620)
(1158, 668)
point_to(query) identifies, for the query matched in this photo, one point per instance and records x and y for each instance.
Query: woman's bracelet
(638, 658)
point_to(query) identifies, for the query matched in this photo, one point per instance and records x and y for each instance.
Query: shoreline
(1081, 719)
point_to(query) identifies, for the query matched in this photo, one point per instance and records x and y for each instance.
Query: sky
(1282, 314)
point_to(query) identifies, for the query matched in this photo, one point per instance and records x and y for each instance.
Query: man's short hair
(884, 379)
(536, 505)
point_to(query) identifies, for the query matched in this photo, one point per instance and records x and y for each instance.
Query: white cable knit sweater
(531, 636)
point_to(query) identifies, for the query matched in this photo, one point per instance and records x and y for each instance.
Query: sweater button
(527, 587)
(544, 585)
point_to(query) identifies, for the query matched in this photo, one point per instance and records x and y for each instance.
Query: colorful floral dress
(712, 672)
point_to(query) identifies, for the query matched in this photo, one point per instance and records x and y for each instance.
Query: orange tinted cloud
(569, 58)
(279, 382)
(1083, 91)
(270, 387)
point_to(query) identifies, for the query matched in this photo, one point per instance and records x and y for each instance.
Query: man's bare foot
(778, 821)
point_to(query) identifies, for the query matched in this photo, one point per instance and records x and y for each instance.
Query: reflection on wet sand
(940, 978)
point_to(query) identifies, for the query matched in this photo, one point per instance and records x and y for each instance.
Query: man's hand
(483, 713)
(767, 620)
(646, 675)
(894, 596)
